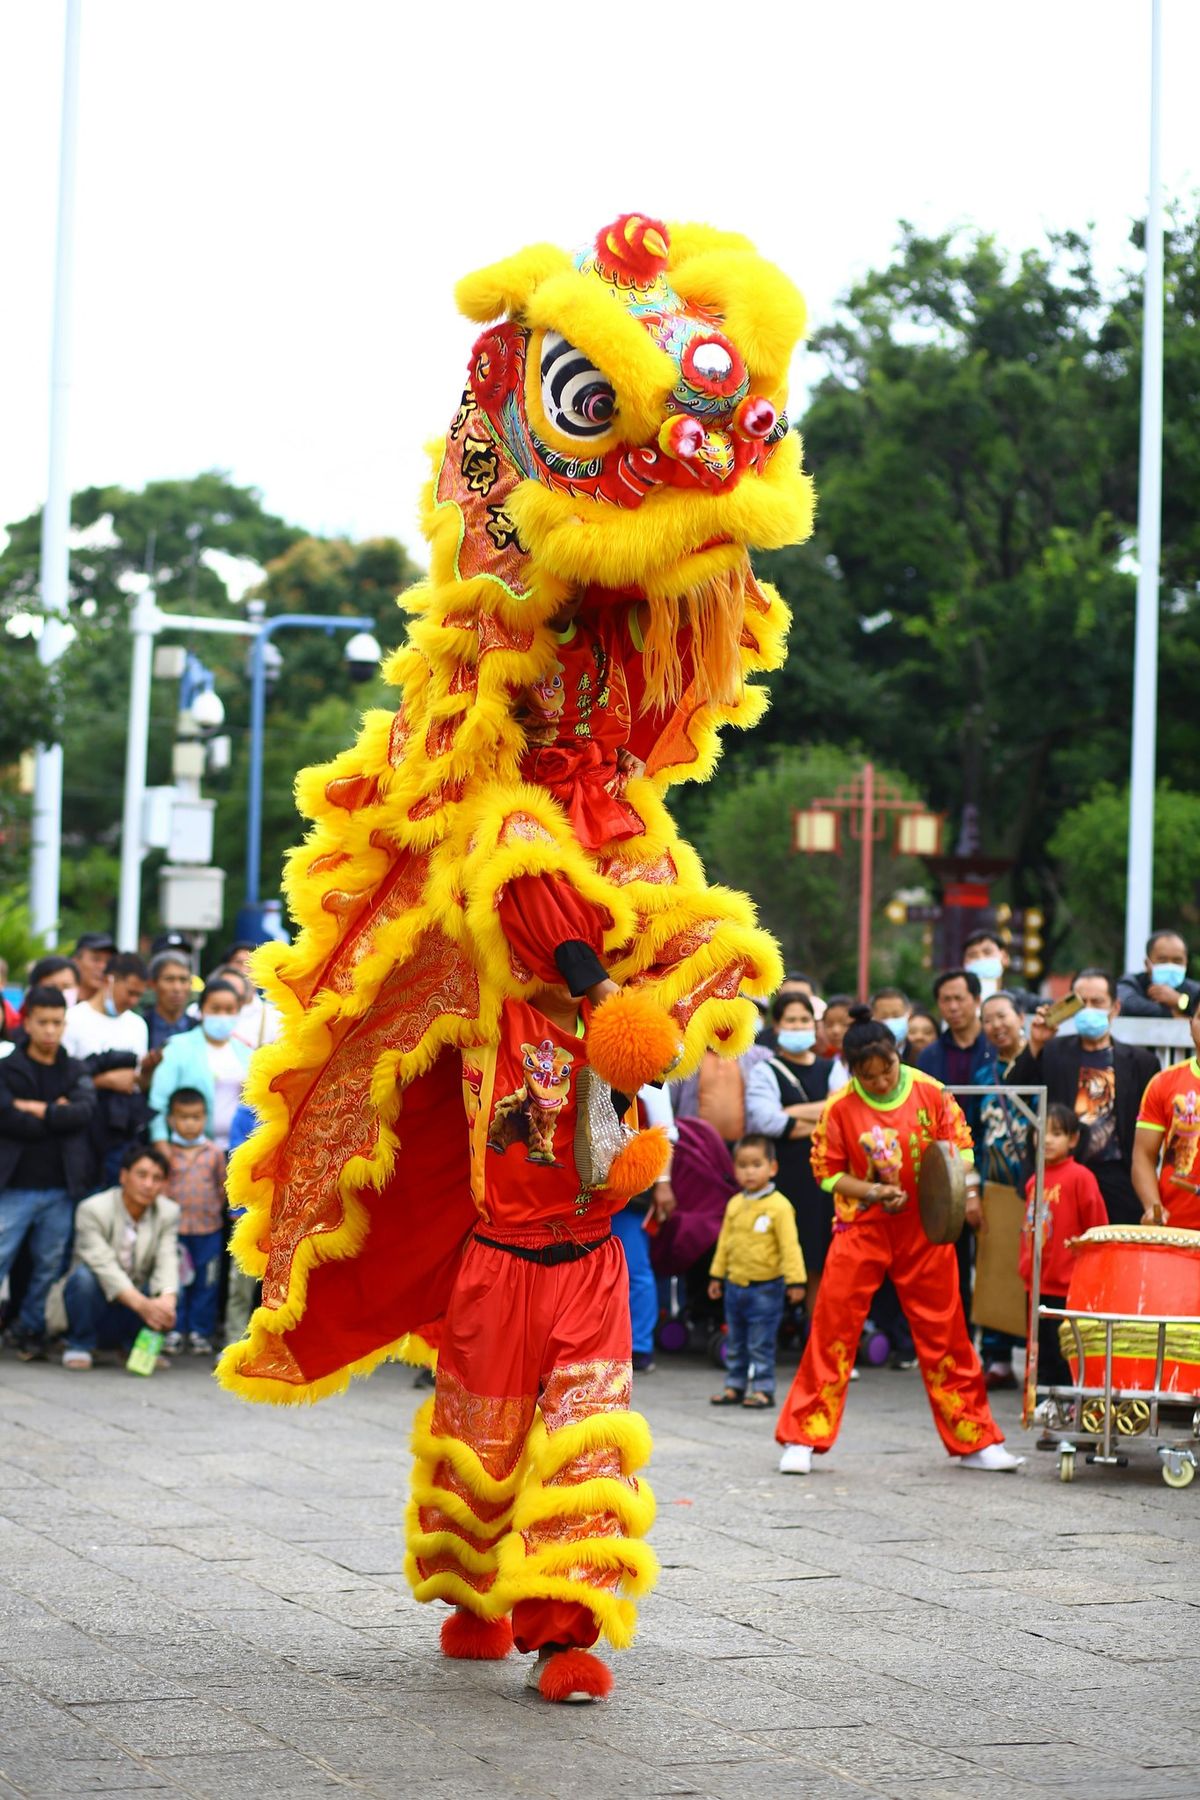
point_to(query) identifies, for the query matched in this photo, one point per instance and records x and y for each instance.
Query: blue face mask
(110, 1007)
(177, 1137)
(988, 968)
(1168, 975)
(795, 1041)
(1091, 1022)
(898, 1028)
(218, 1026)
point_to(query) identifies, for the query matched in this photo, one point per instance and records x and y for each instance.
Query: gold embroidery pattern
(578, 1390)
(494, 1425)
(523, 828)
(361, 916)
(332, 1119)
(352, 792)
(660, 873)
(820, 1421)
(950, 1403)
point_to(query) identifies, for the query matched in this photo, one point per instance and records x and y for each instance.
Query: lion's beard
(710, 616)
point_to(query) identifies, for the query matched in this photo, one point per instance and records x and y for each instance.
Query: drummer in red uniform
(1168, 1128)
(867, 1153)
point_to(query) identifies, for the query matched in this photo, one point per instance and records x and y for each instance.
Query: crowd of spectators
(982, 1031)
(121, 1094)
(120, 1083)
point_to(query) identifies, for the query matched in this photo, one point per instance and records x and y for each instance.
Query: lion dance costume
(439, 1153)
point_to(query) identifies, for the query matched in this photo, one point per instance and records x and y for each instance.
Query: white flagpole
(46, 833)
(1140, 875)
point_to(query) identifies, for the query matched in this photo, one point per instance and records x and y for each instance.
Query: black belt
(564, 1250)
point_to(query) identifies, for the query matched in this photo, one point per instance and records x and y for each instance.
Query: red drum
(1137, 1270)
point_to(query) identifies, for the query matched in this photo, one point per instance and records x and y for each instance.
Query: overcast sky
(275, 197)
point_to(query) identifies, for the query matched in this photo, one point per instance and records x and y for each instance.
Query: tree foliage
(810, 902)
(1088, 843)
(180, 533)
(964, 607)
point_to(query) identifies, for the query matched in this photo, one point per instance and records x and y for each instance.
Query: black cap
(96, 940)
(171, 940)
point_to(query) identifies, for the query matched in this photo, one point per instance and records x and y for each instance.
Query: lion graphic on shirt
(885, 1156)
(531, 1114)
(1184, 1135)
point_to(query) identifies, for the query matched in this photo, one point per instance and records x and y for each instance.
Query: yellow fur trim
(411, 1348)
(633, 1506)
(582, 541)
(592, 318)
(635, 1562)
(424, 1546)
(691, 240)
(549, 1452)
(762, 310)
(505, 287)
(445, 1585)
(424, 1491)
(432, 1450)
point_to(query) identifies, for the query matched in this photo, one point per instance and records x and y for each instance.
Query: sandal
(727, 1397)
(759, 1402)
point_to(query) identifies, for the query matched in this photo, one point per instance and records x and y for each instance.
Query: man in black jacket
(1100, 1080)
(1162, 989)
(46, 1160)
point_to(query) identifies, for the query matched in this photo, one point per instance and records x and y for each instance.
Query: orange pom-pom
(468, 1638)
(639, 1165)
(575, 1675)
(631, 1040)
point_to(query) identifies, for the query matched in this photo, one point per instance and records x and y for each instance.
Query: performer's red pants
(524, 1497)
(925, 1277)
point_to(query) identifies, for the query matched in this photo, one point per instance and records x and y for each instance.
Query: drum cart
(1102, 1420)
(1098, 1418)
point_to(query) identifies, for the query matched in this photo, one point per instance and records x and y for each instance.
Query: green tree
(1089, 842)
(964, 608)
(180, 531)
(810, 902)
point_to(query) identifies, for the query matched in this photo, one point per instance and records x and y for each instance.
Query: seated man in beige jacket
(126, 1268)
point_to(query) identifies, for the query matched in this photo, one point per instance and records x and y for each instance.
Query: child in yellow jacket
(757, 1260)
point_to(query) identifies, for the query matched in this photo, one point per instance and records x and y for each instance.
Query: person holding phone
(1102, 1081)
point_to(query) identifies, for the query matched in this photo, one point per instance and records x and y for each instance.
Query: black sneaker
(29, 1348)
(643, 1361)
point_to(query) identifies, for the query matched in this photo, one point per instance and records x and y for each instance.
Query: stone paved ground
(201, 1598)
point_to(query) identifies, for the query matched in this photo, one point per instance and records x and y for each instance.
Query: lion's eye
(577, 398)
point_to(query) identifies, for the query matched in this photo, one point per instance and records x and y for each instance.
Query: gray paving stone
(209, 1597)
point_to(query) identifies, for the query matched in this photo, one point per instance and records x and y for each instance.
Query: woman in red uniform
(867, 1153)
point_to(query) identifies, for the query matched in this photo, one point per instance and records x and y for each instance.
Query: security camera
(362, 656)
(208, 711)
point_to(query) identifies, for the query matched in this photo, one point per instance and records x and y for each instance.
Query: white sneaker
(854, 1374)
(796, 1459)
(173, 1343)
(77, 1359)
(993, 1457)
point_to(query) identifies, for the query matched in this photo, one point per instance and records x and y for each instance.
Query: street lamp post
(145, 623)
(865, 799)
(362, 665)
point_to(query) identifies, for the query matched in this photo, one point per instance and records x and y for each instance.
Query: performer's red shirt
(884, 1140)
(1073, 1205)
(1171, 1110)
(522, 1100)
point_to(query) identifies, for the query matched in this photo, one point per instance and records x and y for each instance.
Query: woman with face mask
(785, 1093)
(208, 1058)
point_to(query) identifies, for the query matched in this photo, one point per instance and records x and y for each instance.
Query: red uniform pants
(925, 1277)
(524, 1493)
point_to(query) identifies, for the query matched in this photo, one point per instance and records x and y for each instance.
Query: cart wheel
(1178, 1472)
(1066, 1465)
